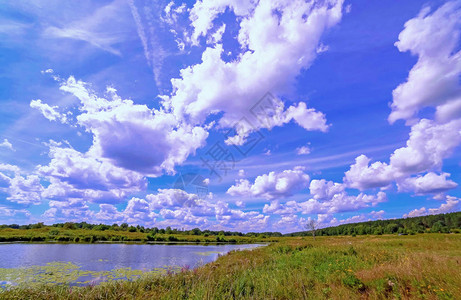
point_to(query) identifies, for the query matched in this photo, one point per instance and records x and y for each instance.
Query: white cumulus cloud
(271, 185)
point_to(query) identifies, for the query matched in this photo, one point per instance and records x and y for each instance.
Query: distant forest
(443, 223)
(142, 229)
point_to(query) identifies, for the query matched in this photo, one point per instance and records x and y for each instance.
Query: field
(422, 266)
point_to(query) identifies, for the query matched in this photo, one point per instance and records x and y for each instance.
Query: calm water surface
(100, 259)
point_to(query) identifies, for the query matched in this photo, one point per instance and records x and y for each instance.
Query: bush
(53, 232)
(353, 282)
(151, 237)
(172, 238)
(285, 249)
(69, 225)
(220, 239)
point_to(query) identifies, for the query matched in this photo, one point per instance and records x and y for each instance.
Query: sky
(229, 114)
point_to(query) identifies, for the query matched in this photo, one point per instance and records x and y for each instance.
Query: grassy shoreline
(53, 235)
(369, 267)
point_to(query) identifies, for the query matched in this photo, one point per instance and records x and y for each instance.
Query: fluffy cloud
(290, 222)
(6, 144)
(11, 215)
(171, 198)
(272, 185)
(205, 11)
(377, 214)
(324, 190)
(429, 143)
(328, 220)
(70, 210)
(265, 38)
(10, 168)
(451, 205)
(342, 202)
(327, 198)
(138, 210)
(78, 175)
(108, 214)
(49, 112)
(9, 212)
(216, 215)
(133, 136)
(246, 221)
(25, 190)
(363, 176)
(288, 208)
(131, 141)
(434, 80)
(304, 150)
(430, 183)
(84, 171)
(22, 189)
(4, 180)
(416, 213)
(173, 208)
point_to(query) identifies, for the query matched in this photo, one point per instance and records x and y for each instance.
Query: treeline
(442, 223)
(152, 231)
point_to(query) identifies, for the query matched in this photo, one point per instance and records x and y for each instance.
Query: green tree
(437, 227)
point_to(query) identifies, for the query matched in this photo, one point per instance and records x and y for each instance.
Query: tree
(311, 226)
(69, 225)
(437, 227)
(196, 231)
(124, 226)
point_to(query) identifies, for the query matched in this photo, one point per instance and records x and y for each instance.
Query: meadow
(420, 266)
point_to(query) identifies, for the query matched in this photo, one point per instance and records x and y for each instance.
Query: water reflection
(92, 263)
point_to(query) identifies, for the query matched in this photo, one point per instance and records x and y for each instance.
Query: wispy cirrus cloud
(96, 29)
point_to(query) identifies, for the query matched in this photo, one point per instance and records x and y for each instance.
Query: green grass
(423, 266)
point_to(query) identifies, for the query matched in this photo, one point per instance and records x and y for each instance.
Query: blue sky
(239, 115)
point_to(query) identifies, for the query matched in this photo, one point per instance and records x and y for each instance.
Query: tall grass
(368, 267)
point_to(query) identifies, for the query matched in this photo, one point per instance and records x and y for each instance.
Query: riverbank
(370, 267)
(63, 235)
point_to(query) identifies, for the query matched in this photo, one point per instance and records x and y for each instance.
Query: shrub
(353, 282)
(220, 239)
(53, 232)
(37, 238)
(172, 238)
